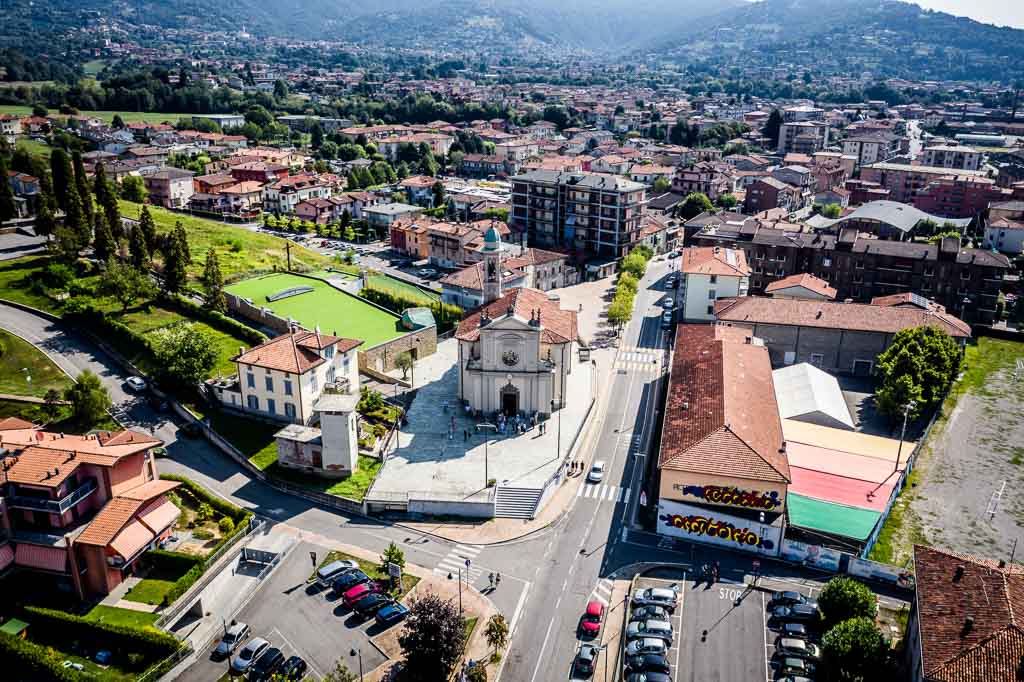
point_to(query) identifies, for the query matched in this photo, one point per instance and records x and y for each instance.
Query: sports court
(318, 304)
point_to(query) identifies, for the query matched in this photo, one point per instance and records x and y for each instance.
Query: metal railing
(60, 506)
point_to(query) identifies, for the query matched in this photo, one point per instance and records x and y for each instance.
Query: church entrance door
(510, 401)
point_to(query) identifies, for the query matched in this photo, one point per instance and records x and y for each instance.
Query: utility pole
(288, 253)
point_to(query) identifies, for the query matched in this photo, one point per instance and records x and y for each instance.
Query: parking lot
(300, 620)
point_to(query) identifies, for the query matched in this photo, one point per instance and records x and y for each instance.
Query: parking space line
(764, 621)
(297, 652)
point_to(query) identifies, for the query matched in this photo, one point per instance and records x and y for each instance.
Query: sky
(999, 12)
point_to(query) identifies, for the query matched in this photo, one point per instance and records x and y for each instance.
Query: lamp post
(558, 443)
(460, 588)
(907, 409)
(486, 426)
(358, 652)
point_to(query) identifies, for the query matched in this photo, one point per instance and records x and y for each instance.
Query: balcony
(60, 506)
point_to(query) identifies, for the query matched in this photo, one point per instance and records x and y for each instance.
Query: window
(817, 359)
(289, 410)
(250, 380)
(711, 310)
(329, 352)
(714, 279)
(312, 381)
(287, 387)
(269, 381)
(330, 375)
(712, 294)
(253, 401)
(271, 408)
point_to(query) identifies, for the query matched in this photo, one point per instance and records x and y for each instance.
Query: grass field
(34, 147)
(397, 286)
(333, 311)
(116, 616)
(241, 252)
(25, 370)
(94, 66)
(253, 438)
(107, 116)
(14, 284)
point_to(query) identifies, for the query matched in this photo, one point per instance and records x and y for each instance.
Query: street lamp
(358, 652)
(487, 426)
(907, 409)
(558, 444)
(460, 587)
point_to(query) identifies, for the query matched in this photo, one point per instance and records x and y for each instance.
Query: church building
(516, 351)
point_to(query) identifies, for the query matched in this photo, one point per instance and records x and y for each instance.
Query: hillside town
(370, 358)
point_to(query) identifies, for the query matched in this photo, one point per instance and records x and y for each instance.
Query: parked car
(347, 581)
(252, 650)
(586, 659)
(646, 645)
(427, 273)
(596, 473)
(325, 575)
(659, 629)
(645, 612)
(656, 596)
(649, 663)
(797, 647)
(266, 665)
(233, 636)
(590, 624)
(666, 319)
(294, 668)
(392, 613)
(795, 631)
(797, 613)
(791, 665)
(354, 594)
(793, 678)
(648, 677)
(675, 254)
(135, 384)
(668, 303)
(789, 598)
(371, 604)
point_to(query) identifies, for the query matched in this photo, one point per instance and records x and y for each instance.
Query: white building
(949, 156)
(1005, 235)
(872, 147)
(710, 273)
(331, 450)
(283, 378)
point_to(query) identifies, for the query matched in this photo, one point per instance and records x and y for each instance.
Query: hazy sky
(1000, 12)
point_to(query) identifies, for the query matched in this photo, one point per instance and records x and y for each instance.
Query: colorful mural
(731, 495)
(703, 525)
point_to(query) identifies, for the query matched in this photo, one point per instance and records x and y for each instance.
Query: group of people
(516, 424)
(576, 467)
(494, 579)
(710, 573)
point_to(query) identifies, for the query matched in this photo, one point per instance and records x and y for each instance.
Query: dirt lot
(975, 451)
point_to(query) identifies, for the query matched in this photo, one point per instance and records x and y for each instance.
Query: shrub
(27, 660)
(205, 512)
(213, 318)
(226, 525)
(174, 562)
(202, 534)
(183, 583)
(844, 598)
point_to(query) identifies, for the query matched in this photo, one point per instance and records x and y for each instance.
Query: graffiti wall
(810, 555)
(699, 524)
(732, 496)
(872, 570)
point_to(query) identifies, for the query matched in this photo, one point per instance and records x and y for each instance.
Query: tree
(213, 283)
(478, 673)
(620, 312)
(62, 175)
(148, 227)
(82, 187)
(65, 245)
(133, 188)
(661, 185)
(438, 191)
(855, 651)
(7, 204)
(694, 204)
(140, 256)
(341, 673)
(89, 399)
(728, 201)
(433, 639)
(103, 244)
(177, 258)
(392, 555)
(126, 284)
(832, 211)
(280, 90)
(919, 365)
(772, 127)
(117, 122)
(403, 361)
(46, 225)
(843, 598)
(634, 264)
(497, 632)
(107, 198)
(316, 136)
(51, 405)
(184, 353)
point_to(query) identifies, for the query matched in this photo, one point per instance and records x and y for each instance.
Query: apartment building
(711, 179)
(950, 156)
(768, 193)
(170, 187)
(80, 510)
(285, 194)
(959, 196)
(1005, 229)
(708, 274)
(803, 137)
(593, 216)
(905, 181)
(965, 281)
(872, 147)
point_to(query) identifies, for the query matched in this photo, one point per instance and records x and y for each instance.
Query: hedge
(213, 318)
(25, 660)
(445, 314)
(122, 640)
(219, 505)
(175, 562)
(182, 584)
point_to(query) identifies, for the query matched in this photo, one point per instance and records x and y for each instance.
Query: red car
(591, 622)
(351, 596)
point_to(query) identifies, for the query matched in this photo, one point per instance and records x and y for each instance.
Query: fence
(157, 671)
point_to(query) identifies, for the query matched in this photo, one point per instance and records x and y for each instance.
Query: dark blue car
(392, 613)
(348, 581)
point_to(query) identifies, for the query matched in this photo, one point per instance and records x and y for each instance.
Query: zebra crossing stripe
(468, 550)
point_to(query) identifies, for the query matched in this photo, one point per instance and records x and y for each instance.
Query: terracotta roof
(834, 315)
(714, 260)
(418, 181)
(147, 491)
(721, 417)
(472, 277)
(108, 523)
(805, 280)
(559, 326)
(534, 256)
(295, 353)
(908, 299)
(14, 423)
(952, 587)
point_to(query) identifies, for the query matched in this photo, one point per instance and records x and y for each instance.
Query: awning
(6, 556)
(851, 492)
(160, 516)
(134, 537)
(826, 517)
(43, 558)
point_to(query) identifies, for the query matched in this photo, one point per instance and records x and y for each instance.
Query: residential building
(801, 286)
(708, 274)
(802, 112)
(225, 121)
(648, 174)
(285, 194)
(533, 269)
(282, 378)
(170, 187)
(439, 144)
(1005, 229)
(592, 216)
(465, 287)
(723, 463)
(842, 338)
(767, 193)
(10, 128)
(483, 165)
(905, 181)
(420, 189)
(955, 157)
(872, 147)
(385, 215)
(709, 178)
(80, 510)
(959, 196)
(259, 171)
(803, 137)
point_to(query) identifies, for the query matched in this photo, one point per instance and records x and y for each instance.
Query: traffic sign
(468, 562)
(312, 556)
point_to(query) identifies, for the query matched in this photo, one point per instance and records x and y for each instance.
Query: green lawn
(14, 284)
(399, 287)
(354, 487)
(253, 438)
(25, 370)
(94, 66)
(333, 311)
(470, 626)
(150, 591)
(370, 568)
(116, 616)
(106, 116)
(34, 147)
(241, 252)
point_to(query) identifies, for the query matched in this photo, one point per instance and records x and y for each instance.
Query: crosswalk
(602, 492)
(603, 591)
(456, 560)
(640, 360)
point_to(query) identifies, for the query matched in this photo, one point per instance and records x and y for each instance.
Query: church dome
(492, 240)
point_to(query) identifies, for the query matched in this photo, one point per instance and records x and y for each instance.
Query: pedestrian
(465, 435)
(490, 578)
(497, 580)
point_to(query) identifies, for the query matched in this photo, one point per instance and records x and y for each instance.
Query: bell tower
(493, 252)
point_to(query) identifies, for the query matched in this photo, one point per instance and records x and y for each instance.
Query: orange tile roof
(108, 523)
(805, 280)
(559, 326)
(721, 416)
(296, 352)
(714, 260)
(147, 491)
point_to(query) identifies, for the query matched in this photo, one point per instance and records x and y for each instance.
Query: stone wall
(261, 316)
(382, 356)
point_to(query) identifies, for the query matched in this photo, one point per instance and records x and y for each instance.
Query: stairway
(516, 503)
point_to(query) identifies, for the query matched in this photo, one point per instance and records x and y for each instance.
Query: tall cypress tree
(63, 177)
(148, 227)
(82, 185)
(74, 221)
(46, 225)
(107, 198)
(7, 205)
(104, 245)
(177, 258)
(137, 249)
(41, 170)
(213, 282)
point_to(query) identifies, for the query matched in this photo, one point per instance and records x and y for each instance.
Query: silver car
(252, 650)
(646, 645)
(660, 629)
(234, 636)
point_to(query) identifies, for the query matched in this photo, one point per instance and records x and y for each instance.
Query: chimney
(958, 574)
(1002, 563)
(241, 350)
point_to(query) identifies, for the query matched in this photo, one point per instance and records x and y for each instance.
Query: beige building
(170, 187)
(710, 273)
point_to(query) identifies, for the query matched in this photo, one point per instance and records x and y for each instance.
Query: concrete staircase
(516, 503)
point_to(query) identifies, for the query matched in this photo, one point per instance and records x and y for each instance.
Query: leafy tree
(438, 191)
(832, 210)
(392, 555)
(628, 283)
(126, 284)
(213, 283)
(843, 598)
(7, 204)
(478, 673)
(919, 365)
(82, 187)
(620, 312)
(177, 258)
(104, 245)
(280, 90)
(140, 256)
(107, 198)
(65, 245)
(772, 127)
(694, 204)
(63, 177)
(728, 201)
(89, 399)
(661, 185)
(855, 651)
(635, 264)
(316, 134)
(46, 225)
(497, 632)
(341, 673)
(433, 639)
(51, 405)
(185, 354)
(938, 237)
(117, 122)
(643, 250)
(404, 362)
(148, 227)
(133, 188)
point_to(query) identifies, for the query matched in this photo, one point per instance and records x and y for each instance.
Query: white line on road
(764, 621)
(544, 644)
